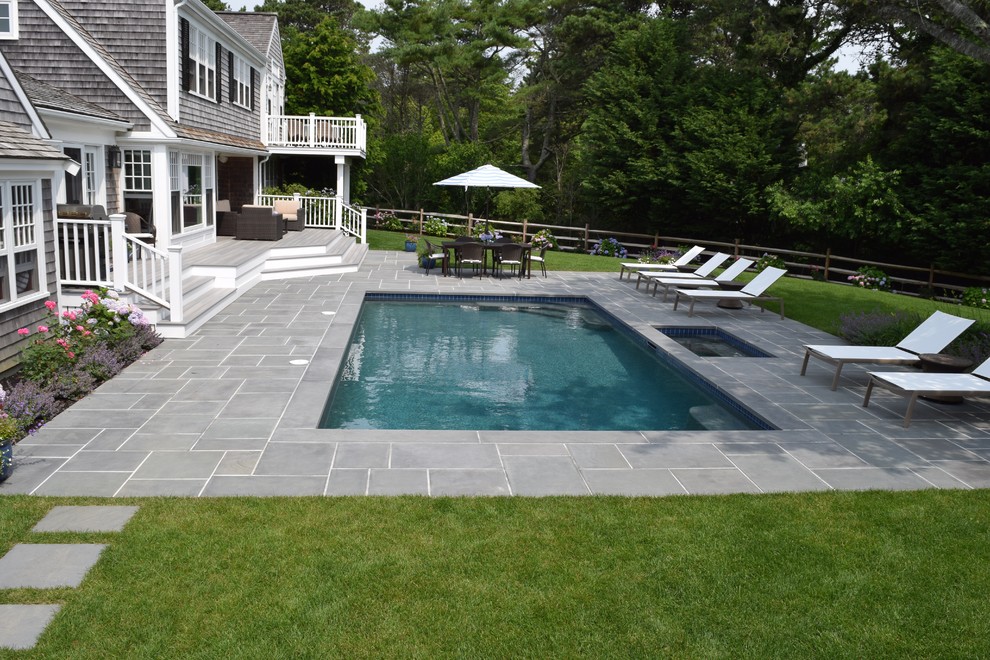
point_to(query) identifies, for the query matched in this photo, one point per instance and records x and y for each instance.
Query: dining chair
(469, 254)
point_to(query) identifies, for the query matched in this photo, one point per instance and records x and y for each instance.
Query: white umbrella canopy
(486, 176)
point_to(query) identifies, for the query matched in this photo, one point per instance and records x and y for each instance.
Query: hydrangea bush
(435, 227)
(870, 277)
(72, 353)
(544, 239)
(768, 260)
(976, 296)
(609, 247)
(386, 220)
(657, 255)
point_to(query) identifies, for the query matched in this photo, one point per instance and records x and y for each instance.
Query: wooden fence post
(470, 231)
(828, 261)
(656, 240)
(586, 229)
(735, 250)
(421, 221)
(525, 221)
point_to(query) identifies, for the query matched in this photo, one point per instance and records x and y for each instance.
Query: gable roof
(258, 28)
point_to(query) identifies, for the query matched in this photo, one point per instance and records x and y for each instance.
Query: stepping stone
(22, 625)
(45, 566)
(86, 519)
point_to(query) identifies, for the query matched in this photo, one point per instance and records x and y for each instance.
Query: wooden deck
(229, 251)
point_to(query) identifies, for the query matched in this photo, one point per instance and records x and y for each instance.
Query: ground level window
(20, 216)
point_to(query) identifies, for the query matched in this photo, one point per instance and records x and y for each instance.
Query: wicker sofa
(226, 219)
(259, 223)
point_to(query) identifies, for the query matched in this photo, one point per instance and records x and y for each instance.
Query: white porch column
(343, 178)
(161, 201)
(118, 247)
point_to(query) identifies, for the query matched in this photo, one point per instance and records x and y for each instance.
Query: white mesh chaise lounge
(937, 332)
(683, 260)
(914, 384)
(702, 271)
(685, 281)
(751, 292)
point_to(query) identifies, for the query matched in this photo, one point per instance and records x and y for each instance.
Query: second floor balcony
(309, 134)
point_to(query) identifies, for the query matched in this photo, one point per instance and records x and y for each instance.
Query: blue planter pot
(410, 246)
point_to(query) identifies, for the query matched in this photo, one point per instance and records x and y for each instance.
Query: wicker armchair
(293, 212)
(259, 223)
(226, 219)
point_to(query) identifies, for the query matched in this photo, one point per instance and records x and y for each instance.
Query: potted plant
(9, 430)
(411, 240)
(423, 256)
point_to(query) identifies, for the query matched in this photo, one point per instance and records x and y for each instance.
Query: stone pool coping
(230, 411)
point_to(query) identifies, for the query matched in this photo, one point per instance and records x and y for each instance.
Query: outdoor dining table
(490, 247)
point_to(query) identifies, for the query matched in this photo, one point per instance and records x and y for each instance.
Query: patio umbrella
(486, 176)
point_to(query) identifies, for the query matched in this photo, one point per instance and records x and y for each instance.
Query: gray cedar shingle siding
(10, 106)
(133, 32)
(17, 142)
(46, 53)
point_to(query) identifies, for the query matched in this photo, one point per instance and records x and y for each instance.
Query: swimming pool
(487, 363)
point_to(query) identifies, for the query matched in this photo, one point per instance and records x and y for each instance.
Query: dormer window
(8, 19)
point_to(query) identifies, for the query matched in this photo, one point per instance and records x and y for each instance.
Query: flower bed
(70, 355)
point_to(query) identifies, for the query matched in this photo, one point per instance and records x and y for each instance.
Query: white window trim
(129, 179)
(203, 54)
(10, 34)
(9, 250)
(242, 82)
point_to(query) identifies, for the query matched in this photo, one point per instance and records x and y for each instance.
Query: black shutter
(184, 64)
(231, 82)
(252, 87)
(218, 94)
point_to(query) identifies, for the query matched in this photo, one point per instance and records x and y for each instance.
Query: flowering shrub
(976, 296)
(877, 329)
(386, 221)
(657, 255)
(435, 227)
(768, 260)
(869, 277)
(72, 353)
(544, 239)
(609, 247)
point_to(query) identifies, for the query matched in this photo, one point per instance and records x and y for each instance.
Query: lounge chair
(293, 213)
(683, 260)
(937, 332)
(913, 385)
(750, 293)
(702, 271)
(686, 281)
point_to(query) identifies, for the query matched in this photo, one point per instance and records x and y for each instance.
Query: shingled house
(29, 164)
(165, 106)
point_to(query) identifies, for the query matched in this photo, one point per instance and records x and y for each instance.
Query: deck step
(199, 312)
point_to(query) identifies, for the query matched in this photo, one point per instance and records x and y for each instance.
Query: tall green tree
(305, 15)
(325, 73)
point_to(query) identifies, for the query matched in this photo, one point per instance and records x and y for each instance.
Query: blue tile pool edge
(668, 358)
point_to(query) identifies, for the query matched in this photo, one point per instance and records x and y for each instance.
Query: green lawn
(817, 304)
(807, 575)
(797, 575)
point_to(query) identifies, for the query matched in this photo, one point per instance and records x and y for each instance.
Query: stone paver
(86, 519)
(22, 625)
(47, 565)
(225, 413)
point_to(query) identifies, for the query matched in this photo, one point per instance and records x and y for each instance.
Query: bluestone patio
(233, 410)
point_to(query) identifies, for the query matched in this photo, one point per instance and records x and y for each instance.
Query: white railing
(326, 213)
(341, 133)
(99, 253)
(353, 221)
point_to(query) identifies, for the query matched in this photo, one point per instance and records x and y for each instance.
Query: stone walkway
(233, 410)
(52, 565)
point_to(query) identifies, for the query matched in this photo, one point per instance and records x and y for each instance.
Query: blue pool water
(509, 366)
